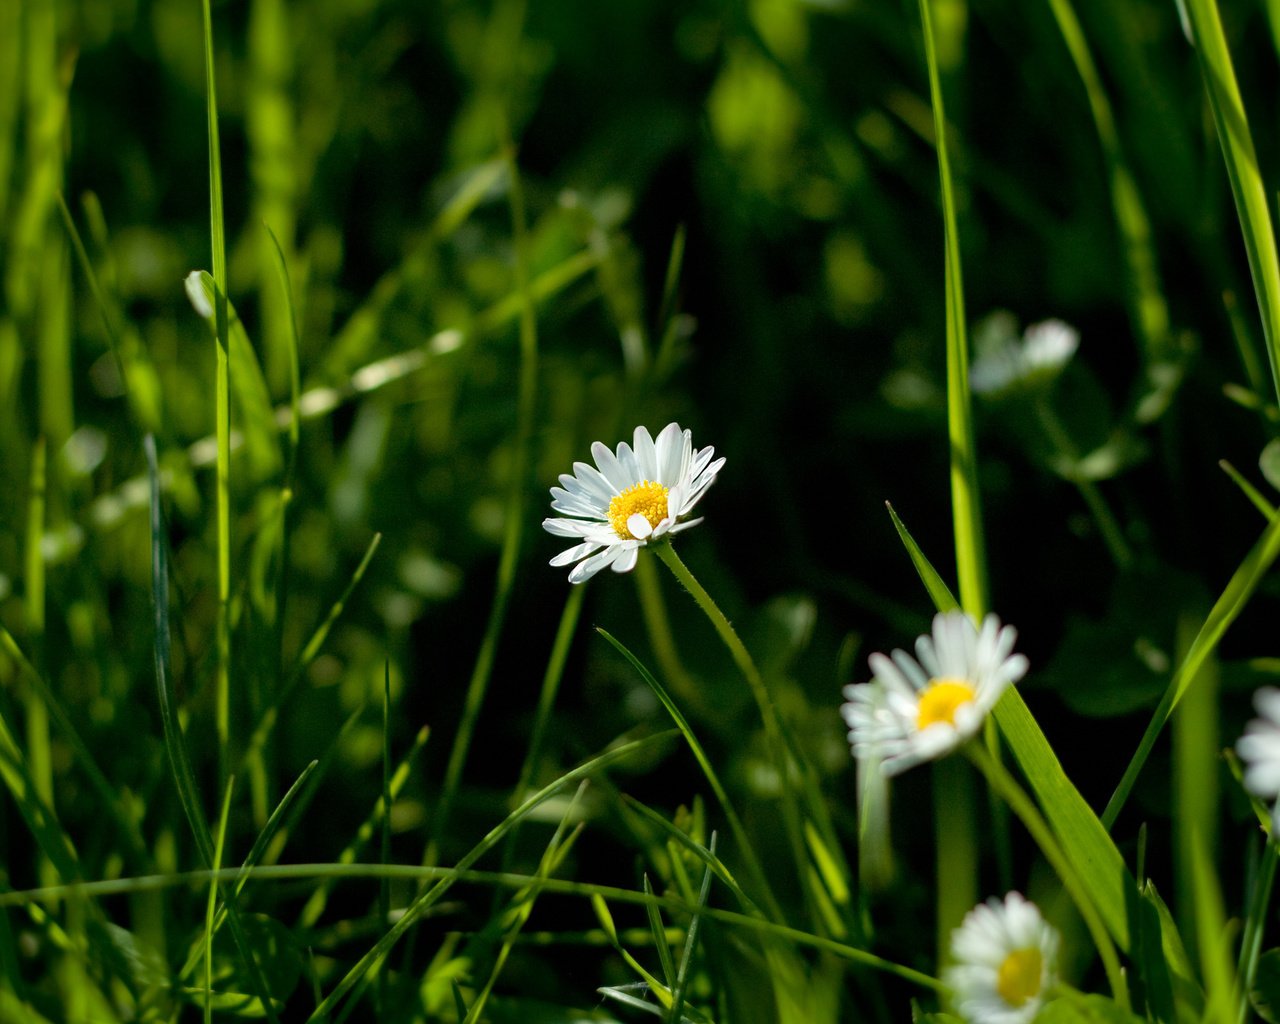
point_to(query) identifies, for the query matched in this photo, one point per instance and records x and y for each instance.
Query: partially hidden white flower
(1259, 749)
(641, 492)
(1004, 362)
(917, 709)
(1004, 961)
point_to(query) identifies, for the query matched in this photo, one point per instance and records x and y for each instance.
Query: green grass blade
(39, 754)
(939, 592)
(1085, 841)
(690, 942)
(659, 932)
(1252, 493)
(965, 504)
(295, 371)
(759, 878)
(526, 411)
(1239, 589)
(412, 912)
(212, 901)
(1247, 183)
(175, 743)
(1214, 939)
(222, 404)
(315, 905)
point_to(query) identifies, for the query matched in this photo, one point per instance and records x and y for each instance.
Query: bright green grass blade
(759, 878)
(427, 899)
(939, 592)
(668, 323)
(222, 407)
(1247, 183)
(315, 905)
(605, 917)
(54, 844)
(1239, 589)
(212, 901)
(513, 531)
(1085, 841)
(384, 852)
(965, 504)
(257, 417)
(1196, 795)
(691, 941)
(1214, 939)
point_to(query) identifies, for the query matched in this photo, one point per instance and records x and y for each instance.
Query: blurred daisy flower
(1259, 749)
(917, 709)
(1005, 363)
(1003, 962)
(639, 493)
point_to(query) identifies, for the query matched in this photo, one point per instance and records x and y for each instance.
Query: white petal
(626, 561)
(611, 469)
(573, 554)
(646, 454)
(639, 526)
(668, 451)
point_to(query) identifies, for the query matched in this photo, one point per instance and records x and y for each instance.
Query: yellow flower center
(940, 699)
(1018, 979)
(646, 498)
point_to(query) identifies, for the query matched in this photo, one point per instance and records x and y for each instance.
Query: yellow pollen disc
(940, 699)
(648, 499)
(1019, 976)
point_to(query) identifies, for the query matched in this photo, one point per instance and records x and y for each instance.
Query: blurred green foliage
(784, 152)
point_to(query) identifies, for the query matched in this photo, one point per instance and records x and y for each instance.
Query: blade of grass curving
(295, 372)
(53, 842)
(740, 836)
(315, 905)
(691, 941)
(605, 917)
(212, 901)
(425, 900)
(668, 329)
(409, 872)
(1239, 589)
(513, 530)
(1247, 184)
(222, 402)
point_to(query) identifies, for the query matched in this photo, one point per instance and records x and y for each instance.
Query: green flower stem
(764, 701)
(1108, 525)
(999, 778)
(1251, 944)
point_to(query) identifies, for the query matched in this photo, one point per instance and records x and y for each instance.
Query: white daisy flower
(917, 709)
(1259, 749)
(1005, 363)
(642, 492)
(1004, 961)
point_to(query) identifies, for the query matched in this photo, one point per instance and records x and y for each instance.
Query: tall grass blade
(690, 942)
(212, 901)
(1239, 589)
(1247, 184)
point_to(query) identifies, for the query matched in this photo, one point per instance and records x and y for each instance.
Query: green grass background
(451, 246)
